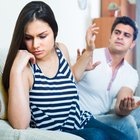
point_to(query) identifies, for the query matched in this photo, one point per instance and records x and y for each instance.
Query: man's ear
(133, 44)
(109, 39)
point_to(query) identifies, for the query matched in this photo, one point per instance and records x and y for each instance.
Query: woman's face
(39, 38)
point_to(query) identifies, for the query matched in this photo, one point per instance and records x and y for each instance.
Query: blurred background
(73, 17)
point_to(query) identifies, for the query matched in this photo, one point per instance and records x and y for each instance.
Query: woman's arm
(18, 101)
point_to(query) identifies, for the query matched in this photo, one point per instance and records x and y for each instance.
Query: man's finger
(96, 64)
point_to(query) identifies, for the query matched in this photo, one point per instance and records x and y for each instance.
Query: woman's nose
(35, 43)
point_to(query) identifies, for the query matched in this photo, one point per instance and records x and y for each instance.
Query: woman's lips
(38, 52)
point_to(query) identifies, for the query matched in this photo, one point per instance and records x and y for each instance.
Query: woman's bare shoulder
(64, 50)
(61, 46)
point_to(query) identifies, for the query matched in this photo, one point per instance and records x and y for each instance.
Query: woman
(39, 80)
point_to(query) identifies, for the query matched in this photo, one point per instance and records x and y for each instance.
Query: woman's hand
(22, 59)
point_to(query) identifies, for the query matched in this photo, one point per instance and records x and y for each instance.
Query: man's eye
(127, 35)
(116, 32)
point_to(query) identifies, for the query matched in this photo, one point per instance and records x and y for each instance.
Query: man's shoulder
(128, 66)
(129, 70)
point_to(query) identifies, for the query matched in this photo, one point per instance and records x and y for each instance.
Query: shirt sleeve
(132, 80)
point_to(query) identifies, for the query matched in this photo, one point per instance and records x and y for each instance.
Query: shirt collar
(109, 58)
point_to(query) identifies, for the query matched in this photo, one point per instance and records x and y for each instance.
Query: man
(113, 78)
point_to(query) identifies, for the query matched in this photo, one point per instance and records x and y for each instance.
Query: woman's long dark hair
(32, 11)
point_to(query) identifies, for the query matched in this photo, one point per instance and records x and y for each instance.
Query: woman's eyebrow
(42, 32)
(38, 34)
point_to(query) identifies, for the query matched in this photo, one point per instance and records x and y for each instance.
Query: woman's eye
(43, 36)
(27, 38)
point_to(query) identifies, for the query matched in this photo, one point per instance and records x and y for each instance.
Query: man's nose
(121, 35)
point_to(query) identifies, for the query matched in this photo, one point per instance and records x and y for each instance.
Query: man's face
(121, 39)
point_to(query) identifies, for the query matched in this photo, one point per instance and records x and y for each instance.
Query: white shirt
(99, 87)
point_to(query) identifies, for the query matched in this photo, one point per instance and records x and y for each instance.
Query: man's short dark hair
(126, 21)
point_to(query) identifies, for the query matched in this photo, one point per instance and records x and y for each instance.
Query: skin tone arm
(83, 59)
(125, 102)
(18, 101)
